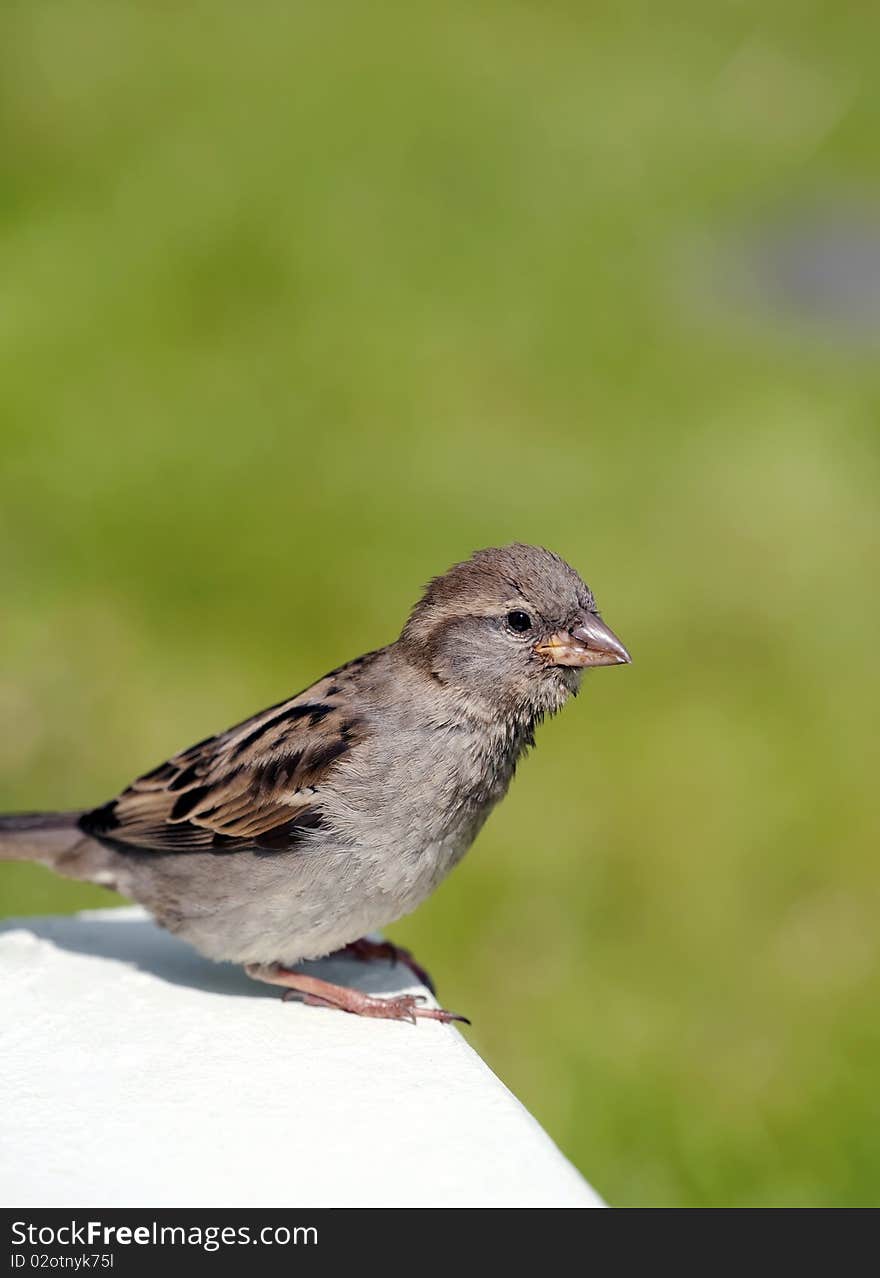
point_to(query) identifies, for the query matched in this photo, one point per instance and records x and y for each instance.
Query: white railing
(136, 1074)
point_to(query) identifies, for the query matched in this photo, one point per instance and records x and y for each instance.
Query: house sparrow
(339, 810)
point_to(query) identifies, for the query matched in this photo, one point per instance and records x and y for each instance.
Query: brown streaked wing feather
(255, 786)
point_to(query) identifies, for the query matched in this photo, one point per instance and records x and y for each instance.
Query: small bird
(339, 810)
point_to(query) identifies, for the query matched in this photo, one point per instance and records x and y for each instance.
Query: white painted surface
(137, 1074)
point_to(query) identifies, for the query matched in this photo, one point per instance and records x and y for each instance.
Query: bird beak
(589, 643)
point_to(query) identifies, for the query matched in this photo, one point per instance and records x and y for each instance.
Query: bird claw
(408, 1007)
(365, 950)
(320, 993)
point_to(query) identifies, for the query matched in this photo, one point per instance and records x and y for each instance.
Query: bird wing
(258, 785)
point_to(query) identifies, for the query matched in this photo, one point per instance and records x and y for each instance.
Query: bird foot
(365, 950)
(318, 993)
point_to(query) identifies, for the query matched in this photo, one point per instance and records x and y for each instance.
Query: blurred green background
(302, 303)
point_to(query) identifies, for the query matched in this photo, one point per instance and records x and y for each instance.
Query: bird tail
(46, 837)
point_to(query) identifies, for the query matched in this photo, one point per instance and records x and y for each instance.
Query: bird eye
(519, 621)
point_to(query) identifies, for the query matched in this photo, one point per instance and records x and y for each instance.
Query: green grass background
(299, 304)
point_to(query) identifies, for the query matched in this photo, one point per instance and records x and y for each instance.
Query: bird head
(513, 627)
